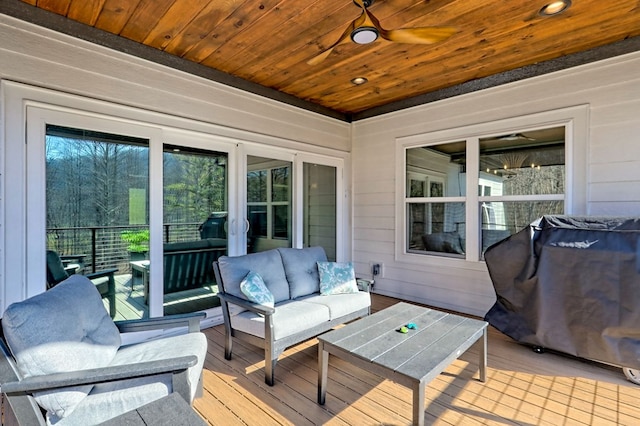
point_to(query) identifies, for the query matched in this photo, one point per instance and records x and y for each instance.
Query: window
(435, 203)
(519, 177)
(523, 178)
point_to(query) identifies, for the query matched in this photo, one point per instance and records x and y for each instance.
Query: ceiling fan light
(364, 35)
(555, 8)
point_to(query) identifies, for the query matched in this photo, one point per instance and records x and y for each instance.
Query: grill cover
(571, 284)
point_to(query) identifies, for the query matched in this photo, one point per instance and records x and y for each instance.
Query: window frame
(270, 203)
(573, 119)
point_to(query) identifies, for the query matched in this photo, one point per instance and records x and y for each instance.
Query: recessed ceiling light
(359, 80)
(555, 8)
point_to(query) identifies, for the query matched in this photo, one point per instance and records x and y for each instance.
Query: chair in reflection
(104, 280)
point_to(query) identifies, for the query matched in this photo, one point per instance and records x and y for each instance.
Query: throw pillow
(337, 278)
(256, 290)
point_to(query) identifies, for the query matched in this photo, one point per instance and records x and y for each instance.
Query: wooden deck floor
(522, 388)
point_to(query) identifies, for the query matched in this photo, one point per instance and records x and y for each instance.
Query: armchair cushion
(107, 400)
(301, 268)
(45, 338)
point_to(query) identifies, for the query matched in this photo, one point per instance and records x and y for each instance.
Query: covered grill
(571, 284)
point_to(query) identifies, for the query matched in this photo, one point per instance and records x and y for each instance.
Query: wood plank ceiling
(268, 42)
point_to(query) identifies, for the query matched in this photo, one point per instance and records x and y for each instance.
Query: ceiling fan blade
(424, 35)
(343, 38)
(420, 35)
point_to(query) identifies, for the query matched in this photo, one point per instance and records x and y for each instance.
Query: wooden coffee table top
(419, 354)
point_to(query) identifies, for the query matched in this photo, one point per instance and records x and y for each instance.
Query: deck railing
(102, 246)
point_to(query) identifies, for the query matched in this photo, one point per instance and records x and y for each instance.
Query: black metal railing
(102, 247)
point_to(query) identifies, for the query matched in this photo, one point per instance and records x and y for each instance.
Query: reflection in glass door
(97, 212)
(195, 226)
(319, 207)
(268, 203)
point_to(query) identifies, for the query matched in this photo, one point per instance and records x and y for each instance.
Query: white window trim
(575, 119)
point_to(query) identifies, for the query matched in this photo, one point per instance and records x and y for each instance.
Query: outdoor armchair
(63, 362)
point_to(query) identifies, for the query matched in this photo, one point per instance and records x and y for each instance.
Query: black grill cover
(571, 284)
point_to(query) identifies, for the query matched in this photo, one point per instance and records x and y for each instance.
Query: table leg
(418, 403)
(323, 367)
(483, 356)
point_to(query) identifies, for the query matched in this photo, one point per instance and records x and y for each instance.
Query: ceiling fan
(366, 29)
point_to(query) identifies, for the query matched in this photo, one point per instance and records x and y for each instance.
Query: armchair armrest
(100, 274)
(365, 284)
(247, 304)
(191, 320)
(99, 375)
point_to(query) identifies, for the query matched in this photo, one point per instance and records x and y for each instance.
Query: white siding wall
(39, 57)
(113, 83)
(610, 88)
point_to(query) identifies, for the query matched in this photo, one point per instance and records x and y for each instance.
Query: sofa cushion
(337, 278)
(291, 317)
(64, 329)
(301, 268)
(267, 263)
(340, 305)
(254, 288)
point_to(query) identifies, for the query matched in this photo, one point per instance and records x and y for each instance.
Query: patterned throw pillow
(255, 289)
(337, 278)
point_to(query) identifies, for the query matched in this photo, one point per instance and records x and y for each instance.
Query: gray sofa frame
(272, 348)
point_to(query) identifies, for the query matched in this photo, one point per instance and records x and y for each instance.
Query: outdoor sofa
(277, 298)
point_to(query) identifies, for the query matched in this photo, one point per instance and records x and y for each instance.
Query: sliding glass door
(89, 197)
(292, 201)
(151, 208)
(97, 210)
(195, 208)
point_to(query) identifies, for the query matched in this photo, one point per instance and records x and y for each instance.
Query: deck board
(522, 388)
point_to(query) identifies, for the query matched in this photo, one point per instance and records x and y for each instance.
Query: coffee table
(412, 359)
